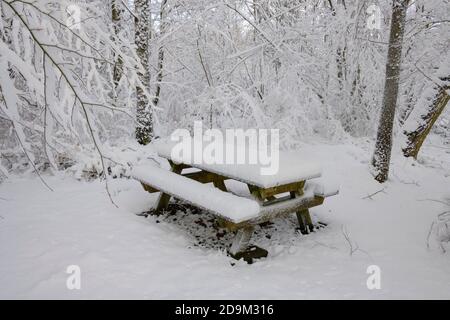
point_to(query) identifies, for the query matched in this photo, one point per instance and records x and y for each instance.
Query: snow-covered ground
(122, 255)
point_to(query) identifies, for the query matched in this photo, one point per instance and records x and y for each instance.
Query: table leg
(255, 192)
(163, 199)
(241, 240)
(304, 219)
(309, 220)
(241, 248)
(301, 222)
(220, 184)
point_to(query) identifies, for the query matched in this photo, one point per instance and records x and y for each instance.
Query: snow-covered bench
(224, 204)
(271, 197)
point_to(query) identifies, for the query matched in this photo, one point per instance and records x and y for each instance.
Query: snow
(234, 208)
(323, 188)
(122, 255)
(291, 167)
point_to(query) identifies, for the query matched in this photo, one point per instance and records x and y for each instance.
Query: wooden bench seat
(224, 204)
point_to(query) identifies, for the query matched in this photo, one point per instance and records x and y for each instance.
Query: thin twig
(429, 234)
(354, 247)
(434, 200)
(350, 243)
(128, 9)
(25, 150)
(375, 193)
(428, 77)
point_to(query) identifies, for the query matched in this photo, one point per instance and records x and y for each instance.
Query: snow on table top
(291, 168)
(227, 205)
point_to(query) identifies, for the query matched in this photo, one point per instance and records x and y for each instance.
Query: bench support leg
(163, 199)
(220, 184)
(303, 217)
(309, 221)
(240, 248)
(305, 221)
(241, 240)
(162, 203)
(301, 222)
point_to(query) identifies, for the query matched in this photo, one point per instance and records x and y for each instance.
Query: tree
(144, 129)
(437, 99)
(312, 69)
(162, 29)
(382, 155)
(116, 14)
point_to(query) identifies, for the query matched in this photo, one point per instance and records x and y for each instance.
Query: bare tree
(382, 155)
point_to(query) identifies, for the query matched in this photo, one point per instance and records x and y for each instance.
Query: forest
(90, 88)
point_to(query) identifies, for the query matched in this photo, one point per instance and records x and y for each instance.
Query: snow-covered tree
(420, 123)
(144, 130)
(382, 155)
(315, 70)
(56, 77)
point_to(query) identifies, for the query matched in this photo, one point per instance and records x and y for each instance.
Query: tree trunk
(258, 13)
(118, 61)
(144, 130)
(382, 155)
(417, 136)
(159, 76)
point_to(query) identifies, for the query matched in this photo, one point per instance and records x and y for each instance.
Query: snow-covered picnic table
(289, 189)
(290, 168)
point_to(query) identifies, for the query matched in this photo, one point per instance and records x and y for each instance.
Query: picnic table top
(291, 167)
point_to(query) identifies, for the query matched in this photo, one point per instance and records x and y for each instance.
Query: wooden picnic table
(289, 190)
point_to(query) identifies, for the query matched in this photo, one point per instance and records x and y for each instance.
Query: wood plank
(204, 176)
(287, 208)
(179, 168)
(256, 193)
(220, 184)
(272, 200)
(269, 192)
(148, 188)
(278, 210)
